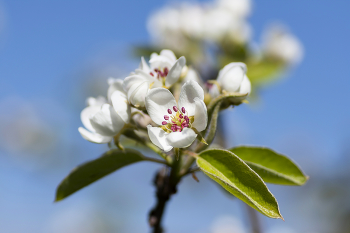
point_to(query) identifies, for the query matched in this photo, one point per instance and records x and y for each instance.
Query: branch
(166, 185)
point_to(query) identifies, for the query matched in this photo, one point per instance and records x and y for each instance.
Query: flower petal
(193, 75)
(86, 115)
(138, 94)
(231, 76)
(189, 91)
(121, 106)
(160, 62)
(200, 115)
(114, 85)
(106, 121)
(175, 72)
(214, 91)
(99, 101)
(226, 68)
(144, 66)
(131, 81)
(245, 86)
(93, 137)
(181, 139)
(169, 54)
(145, 75)
(158, 101)
(158, 138)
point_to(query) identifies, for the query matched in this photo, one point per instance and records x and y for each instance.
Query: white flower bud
(232, 78)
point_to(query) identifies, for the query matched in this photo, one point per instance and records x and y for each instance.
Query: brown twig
(166, 185)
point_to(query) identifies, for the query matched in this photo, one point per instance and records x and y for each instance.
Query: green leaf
(272, 167)
(264, 72)
(94, 170)
(239, 179)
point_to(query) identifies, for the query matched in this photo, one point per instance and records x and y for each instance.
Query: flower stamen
(177, 121)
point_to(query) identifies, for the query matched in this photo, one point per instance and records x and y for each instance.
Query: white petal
(214, 91)
(99, 101)
(175, 71)
(200, 116)
(86, 114)
(145, 75)
(114, 85)
(160, 62)
(169, 54)
(158, 138)
(245, 86)
(144, 66)
(106, 121)
(158, 101)
(131, 80)
(181, 139)
(189, 91)
(153, 55)
(193, 75)
(138, 95)
(120, 105)
(94, 137)
(231, 76)
(226, 68)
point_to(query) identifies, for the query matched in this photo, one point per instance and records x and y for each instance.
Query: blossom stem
(153, 147)
(155, 160)
(187, 165)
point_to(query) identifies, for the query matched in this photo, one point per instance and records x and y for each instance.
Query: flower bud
(232, 78)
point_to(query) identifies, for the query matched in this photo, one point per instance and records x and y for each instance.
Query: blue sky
(48, 48)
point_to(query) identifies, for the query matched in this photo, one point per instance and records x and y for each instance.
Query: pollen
(176, 121)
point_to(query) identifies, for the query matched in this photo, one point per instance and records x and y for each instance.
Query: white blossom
(104, 120)
(164, 71)
(178, 122)
(238, 8)
(278, 43)
(232, 78)
(176, 26)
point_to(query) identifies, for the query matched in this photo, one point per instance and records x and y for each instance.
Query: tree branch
(166, 185)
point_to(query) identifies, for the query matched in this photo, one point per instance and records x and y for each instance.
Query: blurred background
(55, 54)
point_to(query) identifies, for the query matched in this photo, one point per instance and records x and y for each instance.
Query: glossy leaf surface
(239, 179)
(94, 170)
(271, 166)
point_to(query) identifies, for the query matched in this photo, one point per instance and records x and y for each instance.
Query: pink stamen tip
(183, 110)
(169, 111)
(181, 116)
(178, 128)
(164, 123)
(151, 74)
(166, 117)
(187, 119)
(166, 71)
(175, 109)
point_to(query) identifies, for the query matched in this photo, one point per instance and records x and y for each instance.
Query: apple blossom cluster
(193, 29)
(171, 105)
(211, 21)
(164, 97)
